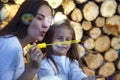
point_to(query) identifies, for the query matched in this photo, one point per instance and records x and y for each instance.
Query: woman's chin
(40, 38)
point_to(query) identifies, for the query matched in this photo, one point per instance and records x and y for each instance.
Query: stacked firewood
(96, 24)
(8, 9)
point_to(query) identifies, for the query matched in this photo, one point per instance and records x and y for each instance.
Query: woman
(30, 23)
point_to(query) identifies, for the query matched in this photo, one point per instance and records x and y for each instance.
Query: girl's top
(11, 58)
(67, 70)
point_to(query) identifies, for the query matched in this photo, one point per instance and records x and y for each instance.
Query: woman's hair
(72, 53)
(16, 26)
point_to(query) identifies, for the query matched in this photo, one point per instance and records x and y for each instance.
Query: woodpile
(96, 24)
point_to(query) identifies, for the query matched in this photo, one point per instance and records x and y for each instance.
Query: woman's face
(41, 23)
(61, 34)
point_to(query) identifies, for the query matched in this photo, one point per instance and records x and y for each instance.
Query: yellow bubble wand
(44, 45)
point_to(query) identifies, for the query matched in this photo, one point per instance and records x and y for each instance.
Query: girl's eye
(68, 39)
(59, 38)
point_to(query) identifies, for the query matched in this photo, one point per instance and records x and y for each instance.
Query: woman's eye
(39, 18)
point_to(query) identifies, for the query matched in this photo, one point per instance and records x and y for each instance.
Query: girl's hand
(35, 56)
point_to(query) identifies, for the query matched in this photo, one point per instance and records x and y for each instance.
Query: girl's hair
(72, 53)
(16, 26)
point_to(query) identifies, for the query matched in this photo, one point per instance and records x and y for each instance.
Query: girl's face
(41, 23)
(61, 34)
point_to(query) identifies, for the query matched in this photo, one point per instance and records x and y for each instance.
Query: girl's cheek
(55, 48)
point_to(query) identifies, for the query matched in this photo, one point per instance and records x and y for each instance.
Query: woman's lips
(43, 33)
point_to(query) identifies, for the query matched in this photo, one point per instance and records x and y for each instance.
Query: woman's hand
(35, 56)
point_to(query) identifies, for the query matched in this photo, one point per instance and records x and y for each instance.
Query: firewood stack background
(96, 24)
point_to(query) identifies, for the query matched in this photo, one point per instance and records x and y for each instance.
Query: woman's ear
(27, 18)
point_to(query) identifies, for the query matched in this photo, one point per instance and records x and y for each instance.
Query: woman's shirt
(67, 70)
(11, 58)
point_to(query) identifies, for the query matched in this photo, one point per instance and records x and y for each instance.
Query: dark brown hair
(72, 53)
(16, 26)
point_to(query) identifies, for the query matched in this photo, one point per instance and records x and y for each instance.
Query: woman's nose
(45, 23)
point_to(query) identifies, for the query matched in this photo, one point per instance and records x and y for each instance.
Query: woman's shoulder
(9, 41)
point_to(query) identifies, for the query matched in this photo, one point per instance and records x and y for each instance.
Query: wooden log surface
(111, 55)
(107, 69)
(86, 25)
(93, 61)
(100, 21)
(119, 8)
(76, 15)
(68, 6)
(108, 8)
(88, 71)
(54, 3)
(95, 33)
(115, 42)
(89, 43)
(81, 50)
(102, 43)
(80, 1)
(90, 11)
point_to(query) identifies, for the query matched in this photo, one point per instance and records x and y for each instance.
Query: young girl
(30, 23)
(61, 60)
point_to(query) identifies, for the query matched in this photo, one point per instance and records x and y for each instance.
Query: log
(81, 50)
(118, 65)
(59, 16)
(20, 1)
(111, 55)
(86, 25)
(3, 24)
(119, 9)
(111, 29)
(54, 3)
(76, 15)
(102, 43)
(100, 79)
(112, 26)
(116, 76)
(8, 12)
(5, 11)
(115, 42)
(90, 11)
(88, 72)
(108, 8)
(80, 1)
(107, 69)
(78, 30)
(68, 6)
(95, 33)
(4, 1)
(93, 61)
(99, 0)
(100, 21)
(89, 43)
